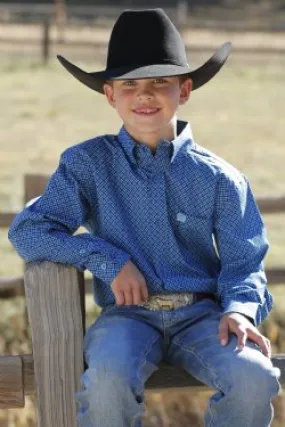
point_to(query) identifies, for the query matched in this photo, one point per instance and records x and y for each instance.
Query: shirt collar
(184, 139)
(140, 153)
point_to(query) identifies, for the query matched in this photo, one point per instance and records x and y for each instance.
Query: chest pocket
(192, 231)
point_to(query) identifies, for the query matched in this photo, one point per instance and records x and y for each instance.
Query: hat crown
(145, 37)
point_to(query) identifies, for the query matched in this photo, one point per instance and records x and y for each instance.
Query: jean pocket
(108, 308)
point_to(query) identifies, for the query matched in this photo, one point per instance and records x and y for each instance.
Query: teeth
(147, 111)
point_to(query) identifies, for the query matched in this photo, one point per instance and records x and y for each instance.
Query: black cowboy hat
(145, 44)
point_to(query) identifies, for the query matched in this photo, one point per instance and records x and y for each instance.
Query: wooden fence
(69, 18)
(239, 17)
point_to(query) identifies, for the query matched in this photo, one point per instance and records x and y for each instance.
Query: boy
(176, 240)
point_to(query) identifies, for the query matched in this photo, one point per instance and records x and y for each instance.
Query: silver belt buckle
(164, 302)
(164, 305)
(189, 298)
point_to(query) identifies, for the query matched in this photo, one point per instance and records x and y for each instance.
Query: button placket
(158, 223)
(103, 266)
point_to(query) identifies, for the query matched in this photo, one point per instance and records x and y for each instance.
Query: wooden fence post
(55, 316)
(182, 15)
(60, 19)
(46, 41)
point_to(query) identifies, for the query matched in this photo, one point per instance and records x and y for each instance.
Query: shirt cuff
(248, 309)
(108, 270)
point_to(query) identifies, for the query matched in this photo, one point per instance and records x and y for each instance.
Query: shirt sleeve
(43, 231)
(242, 245)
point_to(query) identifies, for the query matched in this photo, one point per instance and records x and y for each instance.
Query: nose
(145, 92)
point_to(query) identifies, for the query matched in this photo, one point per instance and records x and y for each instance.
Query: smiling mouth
(146, 111)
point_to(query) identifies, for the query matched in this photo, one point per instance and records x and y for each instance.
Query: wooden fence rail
(241, 17)
(19, 378)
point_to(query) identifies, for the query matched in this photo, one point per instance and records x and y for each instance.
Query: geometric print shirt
(185, 217)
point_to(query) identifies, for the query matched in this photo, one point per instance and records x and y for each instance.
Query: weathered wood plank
(34, 185)
(11, 282)
(169, 376)
(11, 382)
(81, 284)
(11, 287)
(6, 219)
(29, 376)
(275, 275)
(54, 310)
(271, 204)
(13, 387)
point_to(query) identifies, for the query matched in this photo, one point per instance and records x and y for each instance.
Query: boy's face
(148, 107)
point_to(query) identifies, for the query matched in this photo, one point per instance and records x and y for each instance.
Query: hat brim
(200, 76)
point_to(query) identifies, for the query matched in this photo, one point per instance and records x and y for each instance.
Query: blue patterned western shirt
(185, 217)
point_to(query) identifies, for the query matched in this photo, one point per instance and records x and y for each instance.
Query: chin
(150, 127)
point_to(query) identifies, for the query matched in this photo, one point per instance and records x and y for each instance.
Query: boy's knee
(252, 378)
(108, 394)
(107, 378)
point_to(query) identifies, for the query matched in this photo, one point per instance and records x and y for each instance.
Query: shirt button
(103, 266)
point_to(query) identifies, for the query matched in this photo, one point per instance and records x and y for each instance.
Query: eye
(160, 81)
(129, 83)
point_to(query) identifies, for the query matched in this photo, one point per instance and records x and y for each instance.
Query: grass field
(239, 116)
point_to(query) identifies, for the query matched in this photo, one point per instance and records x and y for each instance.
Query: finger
(144, 292)
(264, 345)
(242, 336)
(128, 297)
(223, 332)
(267, 351)
(137, 298)
(119, 297)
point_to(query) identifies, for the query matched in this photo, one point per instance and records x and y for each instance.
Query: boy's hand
(129, 286)
(243, 328)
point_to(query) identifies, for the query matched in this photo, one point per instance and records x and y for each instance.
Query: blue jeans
(125, 344)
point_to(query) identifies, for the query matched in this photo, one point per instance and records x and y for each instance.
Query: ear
(109, 93)
(185, 91)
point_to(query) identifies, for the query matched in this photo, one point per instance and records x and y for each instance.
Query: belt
(175, 300)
